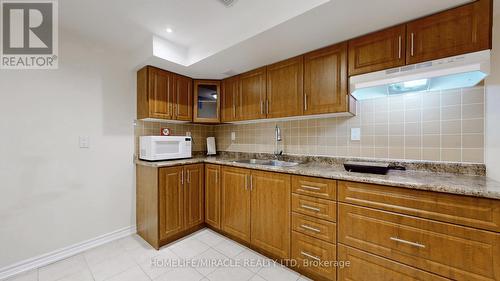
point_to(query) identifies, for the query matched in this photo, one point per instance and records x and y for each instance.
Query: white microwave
(155, 148)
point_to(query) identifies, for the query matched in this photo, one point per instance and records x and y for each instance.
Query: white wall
(492, 102)
(54, 194)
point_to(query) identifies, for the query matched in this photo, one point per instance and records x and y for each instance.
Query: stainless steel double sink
(275, 163)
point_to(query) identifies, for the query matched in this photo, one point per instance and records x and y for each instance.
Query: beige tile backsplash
(442, 126)
(199, 133)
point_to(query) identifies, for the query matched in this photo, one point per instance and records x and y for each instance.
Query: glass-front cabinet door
(206, 101)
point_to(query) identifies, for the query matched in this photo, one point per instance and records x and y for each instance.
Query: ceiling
(210, 40)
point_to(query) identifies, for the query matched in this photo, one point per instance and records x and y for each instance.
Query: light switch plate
(84, 141)
(355, 134)
(233, 136)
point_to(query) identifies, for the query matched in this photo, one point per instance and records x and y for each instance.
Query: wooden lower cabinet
(362, 266)
(452, 251)
(270, 214)
(169, 202)
(212, 195)
(236, 202)
(372, 233)
(194, 205)
(314, 257)
(256, 209)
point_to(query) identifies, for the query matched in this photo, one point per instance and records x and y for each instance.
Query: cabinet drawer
(314, 256)
(367, 267)
(320, 229)
(316, 187)
(452, 251)
(319, 208)
(464, 210)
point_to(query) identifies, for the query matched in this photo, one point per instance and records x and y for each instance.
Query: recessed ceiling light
(169, 30)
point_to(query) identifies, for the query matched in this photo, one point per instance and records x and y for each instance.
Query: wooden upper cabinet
(183, 98)
(454, 32)
(285, 92)
(236, 202)
(377, 51)
(212, 195)
(154, 93)
(164, 95)
(170, 201)
(206, 101)
(325, 80)
(253, 94)
(230, 96)
(194, 181)
(271, 212)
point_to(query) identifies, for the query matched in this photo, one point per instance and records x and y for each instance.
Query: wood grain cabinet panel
(321, 229)
(253, 94)
(212, 195)
(171, 199)
(325, 80)
(161, 86)
(377, 51)
(183, 98)
(315, 187)
(236, 202)
(314, 256)
(464, 210)
(194, 204)
(230, 110)
(455, 252)
(364, 266)
(271, 212)
(315, 207)
(163, 95)
(285, 92)
(454, 32)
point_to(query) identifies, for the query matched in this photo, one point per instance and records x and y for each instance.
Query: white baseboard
(63, 253)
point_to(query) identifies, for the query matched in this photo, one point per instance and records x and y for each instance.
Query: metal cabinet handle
(188, 176)
(412, 43)
(305, 101)
(310, 256)
(216, 177)
(267, 106)
(246, 182)
(310, 228)
(310, 208)
(261, 107)
(182, 177)
(251, 183)
(311, 187)
(400, 47)
(396, 239)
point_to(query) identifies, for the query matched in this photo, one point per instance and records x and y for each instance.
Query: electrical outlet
(233, 136)
(84, 141)
(355, 134)
(188, 134)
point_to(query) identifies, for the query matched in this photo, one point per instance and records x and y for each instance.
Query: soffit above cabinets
(209, 39)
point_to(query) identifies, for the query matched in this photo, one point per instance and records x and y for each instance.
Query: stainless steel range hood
(450, 73)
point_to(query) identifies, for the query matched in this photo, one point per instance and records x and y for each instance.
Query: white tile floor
(130, 259)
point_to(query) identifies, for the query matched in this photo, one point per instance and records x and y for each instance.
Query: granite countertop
(478, 186)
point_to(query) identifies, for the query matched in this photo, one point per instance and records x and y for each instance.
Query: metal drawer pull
(412, 43)
(310, 228)
(310, 256)
(311, 187)
(399, 52)
(407, 242)
(310, 208)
